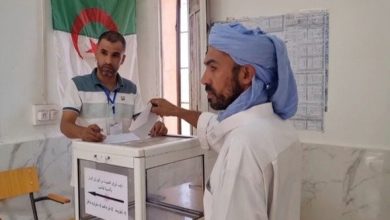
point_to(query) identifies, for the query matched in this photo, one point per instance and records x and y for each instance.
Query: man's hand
(158, 129)
(70, 129)
(163, 108)
(92, 133)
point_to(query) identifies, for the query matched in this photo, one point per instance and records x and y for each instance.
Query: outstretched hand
(163, 108)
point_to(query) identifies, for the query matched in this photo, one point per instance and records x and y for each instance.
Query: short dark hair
(113, 36)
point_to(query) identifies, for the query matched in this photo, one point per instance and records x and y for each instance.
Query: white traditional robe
(257, 174)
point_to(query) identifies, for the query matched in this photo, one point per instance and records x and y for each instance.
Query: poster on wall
(306, 35)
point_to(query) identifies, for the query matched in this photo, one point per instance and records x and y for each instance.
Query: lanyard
(109, 100)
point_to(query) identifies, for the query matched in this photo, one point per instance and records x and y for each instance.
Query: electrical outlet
(44, 114)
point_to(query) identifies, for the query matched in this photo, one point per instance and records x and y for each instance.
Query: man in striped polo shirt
(103, 102)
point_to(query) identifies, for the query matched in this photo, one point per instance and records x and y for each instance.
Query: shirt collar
(262, 110)
(219, 130)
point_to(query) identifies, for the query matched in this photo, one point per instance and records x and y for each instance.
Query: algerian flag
(77, 26)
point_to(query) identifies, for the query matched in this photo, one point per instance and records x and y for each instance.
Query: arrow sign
(106, 197)
(106, 194)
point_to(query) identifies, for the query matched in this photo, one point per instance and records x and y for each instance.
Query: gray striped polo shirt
(85, 95)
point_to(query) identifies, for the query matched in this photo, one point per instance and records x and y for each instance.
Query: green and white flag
(77, 26)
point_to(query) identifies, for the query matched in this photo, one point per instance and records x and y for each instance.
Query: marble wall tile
(52, 157)
(339, 183)
(345, 183)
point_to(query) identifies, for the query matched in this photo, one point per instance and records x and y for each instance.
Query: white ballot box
(156, 179)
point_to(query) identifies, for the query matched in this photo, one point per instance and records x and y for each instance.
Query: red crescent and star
(85, 17)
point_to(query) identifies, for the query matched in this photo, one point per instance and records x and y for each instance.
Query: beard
(107, 70)
(221, 101)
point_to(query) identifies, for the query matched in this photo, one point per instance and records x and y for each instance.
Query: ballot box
(155, 179)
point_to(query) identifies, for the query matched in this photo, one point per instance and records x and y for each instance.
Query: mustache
(107, 66)
(209, 88)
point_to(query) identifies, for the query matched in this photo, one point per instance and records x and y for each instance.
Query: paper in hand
(144, 122)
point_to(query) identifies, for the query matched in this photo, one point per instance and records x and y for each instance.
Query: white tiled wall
(342, 183)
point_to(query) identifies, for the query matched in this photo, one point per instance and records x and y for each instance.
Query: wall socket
(44, 114)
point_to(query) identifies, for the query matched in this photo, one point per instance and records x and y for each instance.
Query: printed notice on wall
(105, 194)
(306, 35)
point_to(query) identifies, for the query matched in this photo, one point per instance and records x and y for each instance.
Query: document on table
(120, 138)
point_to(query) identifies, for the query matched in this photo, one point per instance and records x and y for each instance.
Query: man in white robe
(248, 78)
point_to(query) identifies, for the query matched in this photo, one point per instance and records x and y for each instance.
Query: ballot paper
(139, 128)
(120, 138)
(144, 123)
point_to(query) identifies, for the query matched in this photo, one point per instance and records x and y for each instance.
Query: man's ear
(247, 74)
(123, 59)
